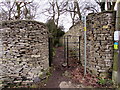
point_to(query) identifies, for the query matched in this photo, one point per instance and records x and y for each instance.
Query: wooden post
(118, 29)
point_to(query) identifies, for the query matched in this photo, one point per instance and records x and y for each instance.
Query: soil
(57, 74)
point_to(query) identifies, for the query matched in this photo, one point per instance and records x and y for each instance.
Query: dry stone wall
(23, 51)
(100, 33)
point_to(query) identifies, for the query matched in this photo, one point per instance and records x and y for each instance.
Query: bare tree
(78, 8)
(74, 8)
(88, 7)
(101, 4)
(9, 6)
(110, 4)
(18, 10)
(72, 12)
(55, 10)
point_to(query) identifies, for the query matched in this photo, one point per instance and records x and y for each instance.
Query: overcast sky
(65, 20)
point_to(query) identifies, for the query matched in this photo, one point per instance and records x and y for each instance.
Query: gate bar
(50, 51)
(67, 52)
(64, 48)
(79, 49)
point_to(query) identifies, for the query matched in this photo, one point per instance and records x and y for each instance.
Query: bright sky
(65, 20)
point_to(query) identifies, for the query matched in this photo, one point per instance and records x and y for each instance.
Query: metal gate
(71, 48)
(50, 42)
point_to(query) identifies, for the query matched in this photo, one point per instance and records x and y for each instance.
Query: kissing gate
(71, 48)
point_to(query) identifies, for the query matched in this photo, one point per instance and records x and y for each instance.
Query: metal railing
(73, 46)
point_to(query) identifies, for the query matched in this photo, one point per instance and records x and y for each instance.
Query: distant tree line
(56, 32)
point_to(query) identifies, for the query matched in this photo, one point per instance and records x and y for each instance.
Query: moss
(54, 52)
(115, 61)
(33, 86)
(45, 74)
(94, 71)
(105, 82)
(104, 74)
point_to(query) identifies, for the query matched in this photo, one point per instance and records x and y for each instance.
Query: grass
(44, 81)
(105, 82)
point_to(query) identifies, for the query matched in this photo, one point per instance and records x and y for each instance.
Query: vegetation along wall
(100, 33)
(23, 51)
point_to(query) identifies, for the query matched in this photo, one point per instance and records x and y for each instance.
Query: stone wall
(73, 36)
(100, 32)
(23, 51)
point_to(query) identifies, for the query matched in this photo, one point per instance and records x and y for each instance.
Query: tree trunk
(113, 5)
(58, 12)
(78, 9)
(18, 9)
(102, 6)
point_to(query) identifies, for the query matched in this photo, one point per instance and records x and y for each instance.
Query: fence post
(64, 48)
(50, 51)
(67, 52)
(79, 50)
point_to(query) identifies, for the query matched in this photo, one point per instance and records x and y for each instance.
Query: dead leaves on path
(87, 80)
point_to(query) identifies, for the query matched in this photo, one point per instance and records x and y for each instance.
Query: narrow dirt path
(57, 75)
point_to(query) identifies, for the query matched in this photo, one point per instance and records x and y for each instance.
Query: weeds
(105, 82)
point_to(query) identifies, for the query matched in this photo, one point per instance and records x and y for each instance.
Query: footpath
(60, 77)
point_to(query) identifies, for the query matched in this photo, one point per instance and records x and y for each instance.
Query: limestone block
(21, 52)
